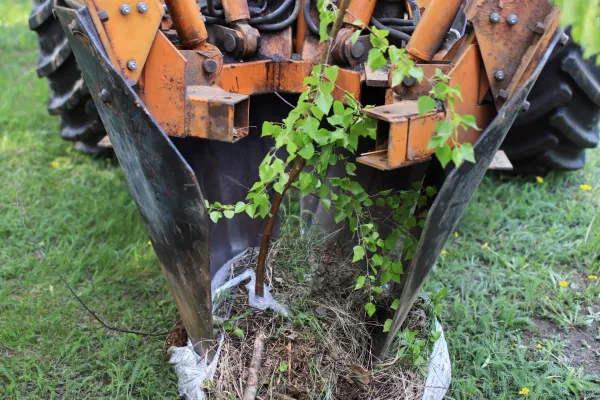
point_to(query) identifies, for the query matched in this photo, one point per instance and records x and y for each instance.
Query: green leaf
(370, 307)
(417, 73)
(324, 102)
(444, 154)
(355, 188)
(359, 253)
(307, 151)
(395, 304)
(360, 282)
(467, 152)
(215, 215)
(387, 325)
(283, 367)
(269, 129)
(376, 260)
(323, 191)
(457, 156)
(229, 214)
(238, 332)
(332, 72)
(355, 36)
(376, 59)
(386, 276)
(398, 76)
(426, 104)
(350, 168)
(239, 207)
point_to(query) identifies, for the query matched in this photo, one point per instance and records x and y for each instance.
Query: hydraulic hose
(312, 27)
(394, 34)
(212, 11)
(396, 21)
(273, 15)
(283, 24)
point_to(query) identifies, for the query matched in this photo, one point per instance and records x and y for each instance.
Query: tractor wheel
(69, 97)
(562, 120)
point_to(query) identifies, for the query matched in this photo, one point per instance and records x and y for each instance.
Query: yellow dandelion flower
(585, 187)
(539, 179)
(455, 234)
(563, 283)
(149, 243)
(524, 391)
(538, 346)
(444, 252)
(55, 164)
(484, 246)
(593, 277)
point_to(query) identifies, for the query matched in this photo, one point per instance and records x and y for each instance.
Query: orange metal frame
(192, 92)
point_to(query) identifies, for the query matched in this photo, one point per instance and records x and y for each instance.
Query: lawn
(509, 322)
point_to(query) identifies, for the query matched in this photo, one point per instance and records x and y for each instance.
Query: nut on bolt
(502, 95)
(131, 65)
(540, 28)
(209, 65)
(494, 17)
(499, 75)
(525, 106)
(512, 19)
(142, 7)
(125, 9)
(104, 97)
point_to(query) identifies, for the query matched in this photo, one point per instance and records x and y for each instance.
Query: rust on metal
(188, 22)
(216, 114)
(361, 10)
(504, 46)
(127, 36)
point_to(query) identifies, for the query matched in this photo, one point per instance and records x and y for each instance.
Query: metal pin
(499, 75)
(512, 19)
(494, 17)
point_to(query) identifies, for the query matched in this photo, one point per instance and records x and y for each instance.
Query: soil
(323, 350)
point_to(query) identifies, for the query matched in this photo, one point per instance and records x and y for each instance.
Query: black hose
(416, 13)
(272, 15)
(312, 27)
(254, 11)
(396, 21)
(208, 20)
(210, 6)
(283, 24)
(394, 34)
(406, 29)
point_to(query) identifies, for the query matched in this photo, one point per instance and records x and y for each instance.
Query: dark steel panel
(454, 196)
(162, 184)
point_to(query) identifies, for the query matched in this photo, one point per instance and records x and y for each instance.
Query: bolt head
(357, 50)
(540, 28)
(104, 97)
(525, 106)
(125, 9)
(512, 19)
(564, 39)
(494, 17)
(209, 65)
(142, 7)
(131, 65)
(409, 81)
(103, 15)
(499, 75)
(230, 42)
(502, 95)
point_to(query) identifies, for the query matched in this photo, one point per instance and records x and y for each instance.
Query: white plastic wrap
(439, 374)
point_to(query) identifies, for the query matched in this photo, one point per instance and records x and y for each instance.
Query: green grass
(91, 232)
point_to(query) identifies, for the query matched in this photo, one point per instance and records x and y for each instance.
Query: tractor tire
(69, 97)
(562, 120)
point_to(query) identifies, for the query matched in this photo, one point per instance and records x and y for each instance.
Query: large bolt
(125, 9)
(525, 106)
(409, 81)
(104, 97)
(142, 7)
(209, 65)
(502, 95)
(102, 15)
(230, 42)
(499, 75)
(540, 28)
(564, 39)
(131, 65)
(494, 17)
(357, 50)
(512, 19)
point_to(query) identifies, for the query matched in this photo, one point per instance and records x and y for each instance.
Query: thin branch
(26, 221)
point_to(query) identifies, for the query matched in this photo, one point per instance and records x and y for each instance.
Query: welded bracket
(454, 196)
(161, 183)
